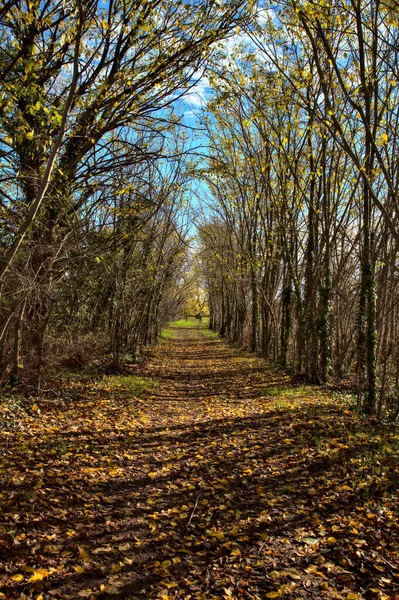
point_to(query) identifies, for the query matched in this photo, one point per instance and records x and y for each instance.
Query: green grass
(213, 335)
(300, 391)
(190, 323)
(167, 334)
(135, 385)
(201, 328)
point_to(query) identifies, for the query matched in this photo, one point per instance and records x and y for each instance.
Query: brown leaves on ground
(226, 481)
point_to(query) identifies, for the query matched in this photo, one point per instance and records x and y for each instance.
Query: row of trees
(300, 245)
(94, 171)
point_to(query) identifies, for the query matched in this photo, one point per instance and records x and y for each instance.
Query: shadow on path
(229, 481)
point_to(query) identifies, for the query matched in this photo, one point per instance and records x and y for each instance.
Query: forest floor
(222, 478)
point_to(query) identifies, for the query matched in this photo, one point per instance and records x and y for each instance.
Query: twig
(193, 511)
(391, 566)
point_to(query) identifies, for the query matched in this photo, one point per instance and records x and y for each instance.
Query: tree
(87, 96)
(284, 142)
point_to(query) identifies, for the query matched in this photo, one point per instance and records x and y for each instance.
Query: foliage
(94, 170)
(298, 247)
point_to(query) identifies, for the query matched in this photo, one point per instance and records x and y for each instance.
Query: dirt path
(226, 481)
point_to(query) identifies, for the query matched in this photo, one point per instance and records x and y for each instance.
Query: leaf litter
(226, 480)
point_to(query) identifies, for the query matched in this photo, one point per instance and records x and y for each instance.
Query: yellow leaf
(311, 569)
(17, 577)
(171, 584)
(30, 135)
(105, 24)
(384, 138)
(82, 552)
(166, 563)
(71, 532)
(274, 574)
(35, 408)
(273, 595)
(79, 569)
(235, 552)
(115, 569)
(39, 574)
(102, 550)
(293, 574)
(124, 547)
(352, 597)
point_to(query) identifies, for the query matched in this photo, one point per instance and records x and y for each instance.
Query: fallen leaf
(39, 574)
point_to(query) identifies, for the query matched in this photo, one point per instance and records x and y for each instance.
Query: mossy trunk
(285, 322)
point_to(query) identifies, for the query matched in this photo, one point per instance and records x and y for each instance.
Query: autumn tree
(283, 132)
(87, 98)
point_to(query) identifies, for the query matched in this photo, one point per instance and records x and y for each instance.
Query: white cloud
(189, 114)
(198, 95)
(264, 15)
